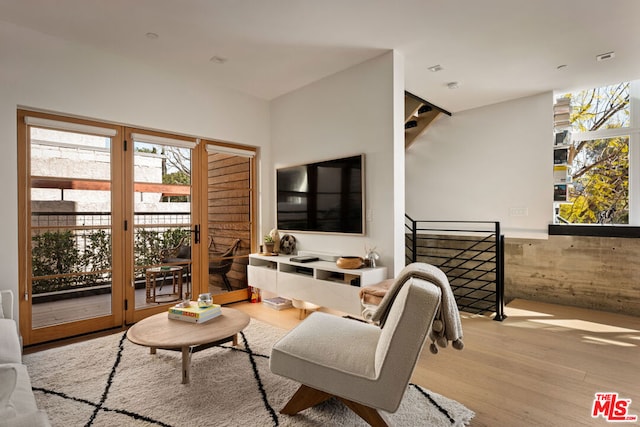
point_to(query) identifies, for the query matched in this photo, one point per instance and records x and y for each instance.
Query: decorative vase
(275, 235)
(205, 300)
(349, 262)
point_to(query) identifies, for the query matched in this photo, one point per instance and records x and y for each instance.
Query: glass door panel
(162, 218)
(229, 222)
(70, 228)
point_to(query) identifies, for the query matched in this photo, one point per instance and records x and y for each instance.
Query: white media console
(318, 282)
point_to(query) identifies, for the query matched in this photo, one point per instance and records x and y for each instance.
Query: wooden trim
(416, 97)
(231, 297)
(254, 206)
(102, 185)
(127, 237)
(24, 200)
(118, 214)
(77, 327)
(122, 187)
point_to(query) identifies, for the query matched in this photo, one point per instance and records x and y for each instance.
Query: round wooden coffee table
(158, 331)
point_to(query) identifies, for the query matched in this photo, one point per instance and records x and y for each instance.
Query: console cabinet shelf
(318, 282)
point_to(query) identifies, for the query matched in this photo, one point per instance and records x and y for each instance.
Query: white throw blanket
(446, 325)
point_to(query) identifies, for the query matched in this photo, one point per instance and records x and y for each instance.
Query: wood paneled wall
(601, 273)
(229, 210)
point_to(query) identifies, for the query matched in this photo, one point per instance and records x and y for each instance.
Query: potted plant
(268, 244)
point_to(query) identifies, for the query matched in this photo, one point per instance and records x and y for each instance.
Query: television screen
(325, 196)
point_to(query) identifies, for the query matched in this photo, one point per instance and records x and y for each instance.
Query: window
(599, 141)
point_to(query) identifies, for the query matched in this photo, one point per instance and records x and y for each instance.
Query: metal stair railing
(470, 253)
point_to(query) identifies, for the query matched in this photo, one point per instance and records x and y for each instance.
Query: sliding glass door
(230, 213)
(118, 223)
(70, 224)
(166, 231)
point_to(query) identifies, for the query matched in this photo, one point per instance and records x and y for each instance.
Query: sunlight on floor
(597, 340)
(583, 325)
(516, 312)
(602, 333)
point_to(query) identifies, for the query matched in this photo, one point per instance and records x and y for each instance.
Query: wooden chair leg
(227, 284)
(367, 413)
(304, 398)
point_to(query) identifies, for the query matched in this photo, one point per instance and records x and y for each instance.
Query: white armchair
(6, 306)
(365, 366)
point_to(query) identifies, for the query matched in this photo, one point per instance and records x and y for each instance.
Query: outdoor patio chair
(180, 255)
(221, 262)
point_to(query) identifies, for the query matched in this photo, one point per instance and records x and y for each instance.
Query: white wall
(39, 71)
(480, 163)
(348, 113)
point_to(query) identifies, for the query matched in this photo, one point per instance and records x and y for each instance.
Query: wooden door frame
(115, 319)
(131, 314)
(252, 153)
(122, 209)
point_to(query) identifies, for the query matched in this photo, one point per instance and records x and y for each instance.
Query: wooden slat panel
(215, 171)
(99, 185)
(229, 209)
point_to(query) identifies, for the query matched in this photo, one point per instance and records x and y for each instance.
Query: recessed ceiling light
(152, 36)
(453, 85)
(435, 68)
(218, 59)
(605, 56)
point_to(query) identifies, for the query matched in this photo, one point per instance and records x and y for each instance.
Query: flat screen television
(325, 196)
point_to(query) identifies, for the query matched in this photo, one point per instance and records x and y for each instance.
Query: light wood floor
(539, 367)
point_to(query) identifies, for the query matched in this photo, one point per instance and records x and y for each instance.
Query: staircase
(419, 114)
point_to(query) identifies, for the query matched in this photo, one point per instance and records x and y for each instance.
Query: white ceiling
(495, 49)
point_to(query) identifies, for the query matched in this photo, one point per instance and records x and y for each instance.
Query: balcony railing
(72, 251)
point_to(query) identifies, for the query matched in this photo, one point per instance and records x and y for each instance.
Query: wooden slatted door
(230, 212)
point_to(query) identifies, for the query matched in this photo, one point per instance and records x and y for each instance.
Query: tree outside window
(598, 157)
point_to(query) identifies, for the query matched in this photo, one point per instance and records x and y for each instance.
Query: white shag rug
(110, 381)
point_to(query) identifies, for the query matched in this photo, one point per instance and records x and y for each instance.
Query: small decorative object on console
(371, 258)
(304, 259)
(268, 244)
(205, 300)
(350, 262)
(275, 238)
(288, 244)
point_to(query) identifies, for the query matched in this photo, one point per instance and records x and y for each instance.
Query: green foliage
(146, 247)
(176, 178)
(181, 178)
(146, 150)
(173, 236)
(56, 253)
(148, 244)
(97, 253)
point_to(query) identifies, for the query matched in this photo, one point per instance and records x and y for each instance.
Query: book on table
(194, 313)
